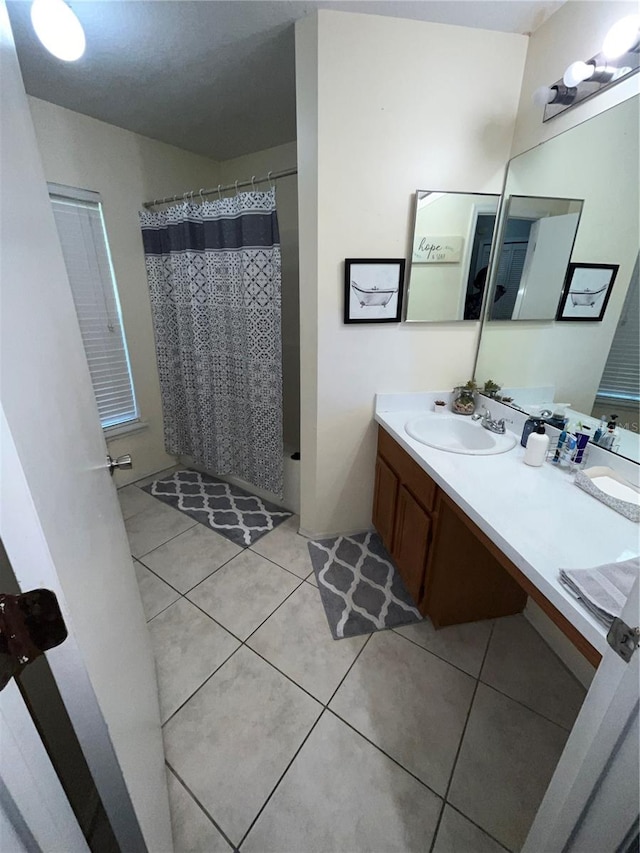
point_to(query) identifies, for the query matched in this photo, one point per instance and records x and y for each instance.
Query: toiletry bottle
(561, 440)
(566, 457)
(600, 431)
(608, 439)
(582, 439)
(529, 426)
(537, 446)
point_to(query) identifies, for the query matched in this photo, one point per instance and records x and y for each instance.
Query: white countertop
(538, 517)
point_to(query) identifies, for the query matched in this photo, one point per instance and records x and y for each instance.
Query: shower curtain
(214, 278)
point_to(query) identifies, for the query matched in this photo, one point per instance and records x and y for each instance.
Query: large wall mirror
(538, 346)
(452, 238)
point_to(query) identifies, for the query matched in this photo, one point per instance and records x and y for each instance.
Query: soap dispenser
(608, 439)
(530, 425)
(601, 430)
(537, 446)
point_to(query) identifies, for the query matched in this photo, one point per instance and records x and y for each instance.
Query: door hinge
(623, 639)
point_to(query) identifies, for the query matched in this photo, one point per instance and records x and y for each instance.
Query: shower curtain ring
(236, 187)
(269, 179)
(201, 194)
(219, 193)
(253, 182)
(191, 199)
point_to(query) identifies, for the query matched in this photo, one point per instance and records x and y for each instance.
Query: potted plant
(491, 388)
(464, 400)
(439, 406)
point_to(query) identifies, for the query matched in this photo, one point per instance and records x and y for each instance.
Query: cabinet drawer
(409, 472)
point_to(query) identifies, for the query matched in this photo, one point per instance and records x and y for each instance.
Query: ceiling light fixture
(623, 37)
(58, 28)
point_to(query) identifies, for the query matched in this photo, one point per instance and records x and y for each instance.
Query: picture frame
(586, 291)
(373, 290)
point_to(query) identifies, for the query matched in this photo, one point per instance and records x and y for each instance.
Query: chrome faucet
(489, 423)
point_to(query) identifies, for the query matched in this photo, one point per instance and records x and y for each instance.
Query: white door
(548, 253)
(34, 811)
(59, 520)
(591, 804)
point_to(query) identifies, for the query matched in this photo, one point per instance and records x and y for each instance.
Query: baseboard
(558, 643)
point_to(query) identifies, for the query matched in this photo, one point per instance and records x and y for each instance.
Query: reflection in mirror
(450, 255)
(590, 367)
(535, 246)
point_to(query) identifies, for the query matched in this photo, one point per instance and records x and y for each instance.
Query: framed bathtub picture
(586, 292)
(373, 289)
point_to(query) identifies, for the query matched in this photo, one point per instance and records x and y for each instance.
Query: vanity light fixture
(58, 28)
(619, 58)
(556, 94)
(578, 72)
(623, 37)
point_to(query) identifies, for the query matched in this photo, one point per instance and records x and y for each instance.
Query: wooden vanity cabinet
(448, 571)
(453, 571)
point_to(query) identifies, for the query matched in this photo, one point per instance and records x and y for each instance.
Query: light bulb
(576, 73)
(58, 29)
(622, 37)
(543, 95)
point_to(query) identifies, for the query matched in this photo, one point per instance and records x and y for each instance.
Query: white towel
(603, 590)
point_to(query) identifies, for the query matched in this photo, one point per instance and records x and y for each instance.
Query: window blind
(621, 377)
(78, 216)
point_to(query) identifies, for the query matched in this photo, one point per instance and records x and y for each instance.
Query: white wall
(259, 164)
(388, 121)
(575, 31)
(126, 169)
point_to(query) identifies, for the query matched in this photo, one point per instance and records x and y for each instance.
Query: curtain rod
(236, 185)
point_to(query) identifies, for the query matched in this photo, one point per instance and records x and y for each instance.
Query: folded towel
(603, 590)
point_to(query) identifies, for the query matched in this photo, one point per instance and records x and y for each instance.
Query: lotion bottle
(537, 446)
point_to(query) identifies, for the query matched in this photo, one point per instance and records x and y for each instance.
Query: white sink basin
(457, 435)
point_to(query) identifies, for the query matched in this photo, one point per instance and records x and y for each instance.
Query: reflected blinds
(621, 377)
(78, 216)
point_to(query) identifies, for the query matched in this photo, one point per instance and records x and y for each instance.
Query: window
(78, 215)
(621, 378)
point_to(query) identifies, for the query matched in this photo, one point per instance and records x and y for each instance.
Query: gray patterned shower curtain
(214, 277)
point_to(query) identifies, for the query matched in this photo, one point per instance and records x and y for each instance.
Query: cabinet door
(465, 581)
(411, 542)
(384, 502)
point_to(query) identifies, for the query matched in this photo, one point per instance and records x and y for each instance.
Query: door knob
(124, 461)
(30, 623)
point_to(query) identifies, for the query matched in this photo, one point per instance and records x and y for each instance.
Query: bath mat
(229, 510)
(360, 587)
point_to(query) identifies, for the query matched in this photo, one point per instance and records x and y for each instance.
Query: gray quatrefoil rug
(360, 587)
(229, 510)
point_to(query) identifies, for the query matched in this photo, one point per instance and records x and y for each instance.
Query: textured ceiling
(215, 77)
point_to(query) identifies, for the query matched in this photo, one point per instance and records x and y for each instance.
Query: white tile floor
(278, 738)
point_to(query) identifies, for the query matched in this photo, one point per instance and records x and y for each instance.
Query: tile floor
(279, 739)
